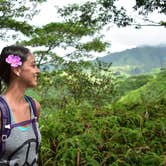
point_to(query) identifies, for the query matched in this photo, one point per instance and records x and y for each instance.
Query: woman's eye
(33, 65)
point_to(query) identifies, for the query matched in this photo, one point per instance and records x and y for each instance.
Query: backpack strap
(33, 105)
(5, 124)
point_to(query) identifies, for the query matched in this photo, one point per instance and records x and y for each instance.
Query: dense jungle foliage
(89, 117)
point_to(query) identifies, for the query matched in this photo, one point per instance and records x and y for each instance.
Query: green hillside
(138, 60)
(150, 93)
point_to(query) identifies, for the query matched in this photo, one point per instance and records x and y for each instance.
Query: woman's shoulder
(38, 107)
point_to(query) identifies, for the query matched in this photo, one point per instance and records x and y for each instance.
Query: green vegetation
(125, 128)
(89, 116)
(139, 60)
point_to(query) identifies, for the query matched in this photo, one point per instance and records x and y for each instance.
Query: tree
(81, 32)
(151, 6)
(14, 16)
(82, 21)
(63, 35)
(148, 6)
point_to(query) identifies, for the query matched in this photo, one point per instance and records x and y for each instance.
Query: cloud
(128, 37)
(120, 38)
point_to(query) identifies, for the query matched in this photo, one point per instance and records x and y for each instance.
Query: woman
(19, 72)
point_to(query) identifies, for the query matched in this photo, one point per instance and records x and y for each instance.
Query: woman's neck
(16, 92)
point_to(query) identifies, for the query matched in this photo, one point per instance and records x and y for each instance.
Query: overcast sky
(120, 38)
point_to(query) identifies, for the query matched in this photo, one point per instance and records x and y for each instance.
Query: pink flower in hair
(14, 60)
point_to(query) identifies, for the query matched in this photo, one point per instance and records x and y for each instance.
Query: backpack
(6, 125)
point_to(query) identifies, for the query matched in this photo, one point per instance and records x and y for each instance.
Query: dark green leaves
(96, 14)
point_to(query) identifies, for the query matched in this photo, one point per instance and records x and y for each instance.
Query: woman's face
(29, 72)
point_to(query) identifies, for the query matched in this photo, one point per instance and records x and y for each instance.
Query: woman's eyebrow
(33, 61)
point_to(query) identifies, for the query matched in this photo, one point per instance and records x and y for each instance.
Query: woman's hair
(5, 68)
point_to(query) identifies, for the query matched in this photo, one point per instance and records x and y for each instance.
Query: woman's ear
(16, 71)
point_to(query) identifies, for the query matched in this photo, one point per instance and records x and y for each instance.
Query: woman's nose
(38, 70)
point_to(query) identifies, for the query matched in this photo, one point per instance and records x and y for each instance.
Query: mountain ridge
(137, 60)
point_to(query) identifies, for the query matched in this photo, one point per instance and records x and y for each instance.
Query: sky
(119, 38)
